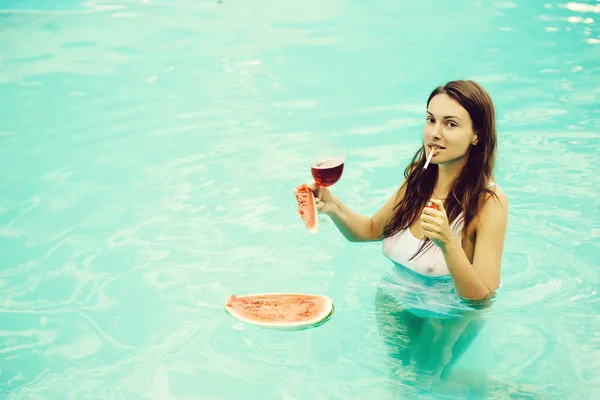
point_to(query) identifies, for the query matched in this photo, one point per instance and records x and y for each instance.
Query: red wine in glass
(328, 171)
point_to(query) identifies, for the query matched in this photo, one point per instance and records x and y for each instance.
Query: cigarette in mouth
(429, 158)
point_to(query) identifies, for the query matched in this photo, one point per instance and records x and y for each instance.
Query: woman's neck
(447, 175)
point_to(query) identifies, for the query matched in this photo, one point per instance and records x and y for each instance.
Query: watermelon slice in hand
(307, 207)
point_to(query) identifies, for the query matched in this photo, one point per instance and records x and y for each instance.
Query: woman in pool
(463, 236)
(456, 245)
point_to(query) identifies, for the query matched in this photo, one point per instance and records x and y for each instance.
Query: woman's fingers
(426, 227)
(430, 231)
(320, 192)
(427, 218)
(317, 190)
(320, 204)
(432, 219)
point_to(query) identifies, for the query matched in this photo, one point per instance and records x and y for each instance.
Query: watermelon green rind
(326, 315)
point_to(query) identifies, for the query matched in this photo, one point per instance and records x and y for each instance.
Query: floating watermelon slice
(307, 207)
(281, 310)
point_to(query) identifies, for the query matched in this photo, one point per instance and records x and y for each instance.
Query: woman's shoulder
(494, 203)
(494, 191)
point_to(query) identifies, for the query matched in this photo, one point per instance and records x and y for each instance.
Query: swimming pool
(149, 150)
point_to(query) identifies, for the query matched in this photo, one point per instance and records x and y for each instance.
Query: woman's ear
(474, 141)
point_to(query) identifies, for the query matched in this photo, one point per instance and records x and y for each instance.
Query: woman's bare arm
(481, 278)
(361, 228)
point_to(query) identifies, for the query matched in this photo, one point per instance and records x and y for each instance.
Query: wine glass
(328, 165)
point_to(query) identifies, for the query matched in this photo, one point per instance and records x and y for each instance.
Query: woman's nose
(436, 131)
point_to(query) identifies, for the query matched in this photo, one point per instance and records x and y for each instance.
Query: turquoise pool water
(149, 150)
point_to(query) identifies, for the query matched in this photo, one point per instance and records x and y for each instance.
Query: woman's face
(448, 130)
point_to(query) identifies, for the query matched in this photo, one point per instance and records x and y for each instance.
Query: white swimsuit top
(400, 248)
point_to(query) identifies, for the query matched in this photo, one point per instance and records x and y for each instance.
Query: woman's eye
(452, 124)
(429, 119)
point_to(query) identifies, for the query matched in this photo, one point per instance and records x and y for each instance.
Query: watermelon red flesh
(307, 207)
(276, 309)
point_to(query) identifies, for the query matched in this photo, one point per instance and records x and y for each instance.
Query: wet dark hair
(471, 186)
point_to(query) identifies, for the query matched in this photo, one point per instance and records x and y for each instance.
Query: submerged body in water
(426, 329)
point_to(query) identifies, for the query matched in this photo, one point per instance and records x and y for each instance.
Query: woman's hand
(434, 223)
(324, 199)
